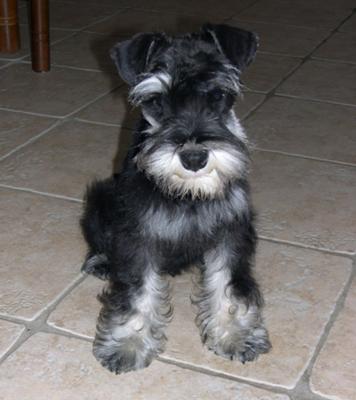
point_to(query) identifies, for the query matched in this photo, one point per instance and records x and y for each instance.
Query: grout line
(297, 155)
(291, 96)
(309, 28)
(71, 33)
(30, 112)
(329, 28)
(270, 92)
(94, 100)
(52, 328)
(241, 10)
(300, 245)
(276, 53)
(46, 194)
(103, 19)
(12, 342)
(14, 319)
(38, 322)
(57, 28)
(278, 24)
(333, 61)
(97, 21)
(44, 313)
(211, 372)
(31, 140)
(62, 332)
(312, 99)
(159, 12)
(301, 98)
(66, 67)
(47, 308)
(26, 334)
(245, 89)
(302, 62)
(7, 63)
(109, 124)
(304, 383)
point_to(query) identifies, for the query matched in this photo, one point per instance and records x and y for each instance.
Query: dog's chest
(190, 224)
(176, 224)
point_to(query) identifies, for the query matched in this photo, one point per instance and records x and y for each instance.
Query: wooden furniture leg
(9, 27)
(40, 35)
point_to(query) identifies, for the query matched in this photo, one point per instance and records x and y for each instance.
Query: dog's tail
(97, 225)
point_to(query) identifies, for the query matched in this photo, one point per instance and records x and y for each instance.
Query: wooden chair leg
(9, 27)
(40, 35)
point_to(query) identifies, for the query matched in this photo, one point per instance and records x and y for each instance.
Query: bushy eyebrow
(150, 85)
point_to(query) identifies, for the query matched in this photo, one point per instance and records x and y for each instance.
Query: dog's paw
(129, 354)
(97, 265)
(256, 343)
(233, 346)
(122, 360)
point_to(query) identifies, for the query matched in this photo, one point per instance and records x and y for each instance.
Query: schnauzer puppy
(182, 198)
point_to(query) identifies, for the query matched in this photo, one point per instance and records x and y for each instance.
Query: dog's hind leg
(97, 225)
(229, 301)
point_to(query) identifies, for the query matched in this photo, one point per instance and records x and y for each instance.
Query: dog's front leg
(130, 329)
(229, 301)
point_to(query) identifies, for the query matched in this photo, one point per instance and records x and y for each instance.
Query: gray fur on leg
(228, 326)
(130, 341)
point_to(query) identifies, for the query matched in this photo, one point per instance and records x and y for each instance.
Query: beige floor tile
(55, 35)
(349, 25)
(304, 127)
(341, 46)
(85, 50)
(208, 8)
(57, 93)
(9, 333)
(305, 201)
(323, 81)
(333, 374)
(267, 71)
(16, 129)
(284, 39)
(112, 108)
(44, 250)
(297, 309)
(246, 103)
(115, 4)
(131, 22)
(73, 14)
(60, 368)
(65, 160)
(77, 313)
(306, 13)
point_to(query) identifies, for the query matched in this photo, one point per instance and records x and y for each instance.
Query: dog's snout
(194, 160)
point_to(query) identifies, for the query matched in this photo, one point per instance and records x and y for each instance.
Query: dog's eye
(156, 102)
(216, 95)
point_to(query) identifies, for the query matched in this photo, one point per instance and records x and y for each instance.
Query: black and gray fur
(182, 198)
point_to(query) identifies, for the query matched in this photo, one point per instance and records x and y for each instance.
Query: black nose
(194, 159)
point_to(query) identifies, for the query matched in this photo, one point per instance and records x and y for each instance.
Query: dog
(182, 198)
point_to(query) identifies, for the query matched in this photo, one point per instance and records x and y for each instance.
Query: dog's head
(192, 143)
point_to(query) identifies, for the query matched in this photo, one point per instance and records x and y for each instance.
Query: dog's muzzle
(194, 160)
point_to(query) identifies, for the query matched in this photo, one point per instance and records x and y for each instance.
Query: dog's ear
(238, 45)
(131, 56)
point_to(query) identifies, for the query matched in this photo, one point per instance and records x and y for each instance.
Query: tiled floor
(60, 130)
